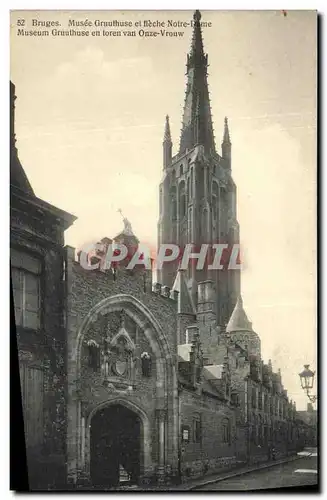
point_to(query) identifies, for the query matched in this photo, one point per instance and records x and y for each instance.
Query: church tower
(197, 193)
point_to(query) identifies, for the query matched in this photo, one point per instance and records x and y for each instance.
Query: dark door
(115, 444)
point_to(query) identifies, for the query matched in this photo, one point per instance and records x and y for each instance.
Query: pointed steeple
(197, 121)
(167, 145)
(18, 178)
(238, 320)
(226, 146)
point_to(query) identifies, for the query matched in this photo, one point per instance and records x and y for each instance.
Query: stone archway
(118, 435)
(166, 399)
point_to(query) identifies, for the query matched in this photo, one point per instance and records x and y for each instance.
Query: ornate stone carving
(118, 360)
(146, 363)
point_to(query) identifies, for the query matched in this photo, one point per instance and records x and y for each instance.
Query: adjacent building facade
(37, 257)
(123, 377)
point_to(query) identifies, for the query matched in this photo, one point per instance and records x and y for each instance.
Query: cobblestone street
(295, 473)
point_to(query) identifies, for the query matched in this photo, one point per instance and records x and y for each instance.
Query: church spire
(197, 121)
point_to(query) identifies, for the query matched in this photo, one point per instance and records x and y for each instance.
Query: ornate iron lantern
(307, 378)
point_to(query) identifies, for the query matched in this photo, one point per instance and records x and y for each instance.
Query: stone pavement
(234, 473)
(214, 478)
(293, 474)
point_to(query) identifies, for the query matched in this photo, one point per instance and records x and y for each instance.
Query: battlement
(164, 291)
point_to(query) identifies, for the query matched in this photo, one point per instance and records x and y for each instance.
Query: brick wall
(211, 453)
(85, 290)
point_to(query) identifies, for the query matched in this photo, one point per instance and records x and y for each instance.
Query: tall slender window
(182, 200)
(173, 203)
(197, 432)
(215, 197)
(223, 212)
(189, 226)
(25, 271)
(225, 425)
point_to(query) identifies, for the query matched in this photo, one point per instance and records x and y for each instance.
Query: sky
(90, 115)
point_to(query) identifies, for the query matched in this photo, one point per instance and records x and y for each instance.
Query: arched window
(260, 399)
(225, 425)
(235, 399)
(260, 429)
(181, 170)
(223, 212)
(173, 203)
(254, 397)
(182, 200)
(204, 225)
(192, 180)
(215, 198)
(189, 225)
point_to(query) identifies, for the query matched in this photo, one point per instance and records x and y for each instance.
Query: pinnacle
(167, 136)
(197, 15)
(226, 131)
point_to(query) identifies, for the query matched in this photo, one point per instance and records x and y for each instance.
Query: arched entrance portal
(115, 446)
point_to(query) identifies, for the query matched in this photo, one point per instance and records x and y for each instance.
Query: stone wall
(42, 352)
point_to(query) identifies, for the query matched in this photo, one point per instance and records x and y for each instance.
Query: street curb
(240, 473)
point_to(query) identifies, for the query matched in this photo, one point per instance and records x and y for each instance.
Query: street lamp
(307, 377)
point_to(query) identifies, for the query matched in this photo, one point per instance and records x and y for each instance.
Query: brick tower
(197, 193)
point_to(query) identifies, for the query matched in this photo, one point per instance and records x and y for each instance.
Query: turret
(167, 145)
(226, 146)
